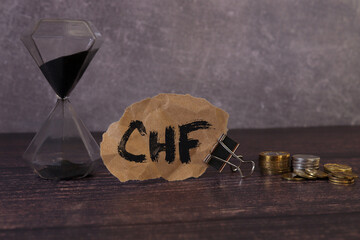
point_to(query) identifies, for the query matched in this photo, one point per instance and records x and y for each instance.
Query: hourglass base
(63, 148)
(63, 169)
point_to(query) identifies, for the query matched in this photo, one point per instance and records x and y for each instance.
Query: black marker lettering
(121, 148)
(168, 146)
(186, 144)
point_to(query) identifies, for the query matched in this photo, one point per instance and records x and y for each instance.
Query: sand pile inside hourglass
(63, 73)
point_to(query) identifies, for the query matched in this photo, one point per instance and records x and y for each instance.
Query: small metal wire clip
(221, 154)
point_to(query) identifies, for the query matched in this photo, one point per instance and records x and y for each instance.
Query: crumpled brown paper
(156, 114)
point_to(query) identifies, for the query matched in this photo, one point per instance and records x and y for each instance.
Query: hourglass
(63, 148)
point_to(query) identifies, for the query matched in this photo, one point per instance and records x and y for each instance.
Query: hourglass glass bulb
(62, 49)
(63, 148)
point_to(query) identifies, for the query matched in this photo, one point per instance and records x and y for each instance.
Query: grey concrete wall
(269, 63)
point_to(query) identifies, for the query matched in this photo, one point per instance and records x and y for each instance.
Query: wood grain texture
(214, 206)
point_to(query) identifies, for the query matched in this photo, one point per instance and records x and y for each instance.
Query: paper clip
(221, 154)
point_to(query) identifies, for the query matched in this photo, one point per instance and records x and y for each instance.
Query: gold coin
(330, 167)
(342, 182)
(333, 178)
(337, 183)
(292, 177)
(316, 173)
(301, 173)
(311, 172)
(351, 174)
(321, 174)
(340, 175)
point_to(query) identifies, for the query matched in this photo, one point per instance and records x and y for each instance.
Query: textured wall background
(269, 63)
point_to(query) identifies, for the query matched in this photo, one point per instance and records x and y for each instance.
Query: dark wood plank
(214, 206)
(343, 226)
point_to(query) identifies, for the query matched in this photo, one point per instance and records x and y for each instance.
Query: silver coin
(302, 157)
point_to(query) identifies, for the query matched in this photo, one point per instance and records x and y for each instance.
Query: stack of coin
(310, 173)
(340, 178)
(340, 174)
(273, 163)
(303, 174)
(303, 161)
(337, 173)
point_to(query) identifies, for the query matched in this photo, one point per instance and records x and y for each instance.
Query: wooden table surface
(214, 206)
